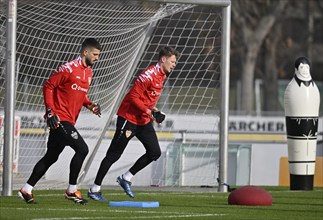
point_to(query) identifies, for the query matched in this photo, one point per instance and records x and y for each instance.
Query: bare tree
(310, 26)
(254, 20)
(270, 75)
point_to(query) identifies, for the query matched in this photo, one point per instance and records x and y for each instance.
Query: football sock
(72, 188)
(28, 188)
(127, 176)
(95, 188)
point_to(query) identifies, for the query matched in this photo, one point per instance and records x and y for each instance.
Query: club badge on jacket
(128, 133)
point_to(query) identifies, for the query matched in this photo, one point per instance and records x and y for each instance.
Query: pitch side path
(194, 203)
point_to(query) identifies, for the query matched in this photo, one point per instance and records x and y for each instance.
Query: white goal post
(194, 137)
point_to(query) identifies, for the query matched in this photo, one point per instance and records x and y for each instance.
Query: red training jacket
(65, 92)
(144, 94)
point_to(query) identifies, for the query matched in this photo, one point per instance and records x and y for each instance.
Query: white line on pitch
(136, 217)
(92, 210)
(168, 214)
(146, 193)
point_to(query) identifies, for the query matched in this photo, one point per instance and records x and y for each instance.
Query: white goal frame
(9, 107)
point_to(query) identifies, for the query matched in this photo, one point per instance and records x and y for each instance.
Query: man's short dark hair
(91, 42)
(300, 60)
(168, 52)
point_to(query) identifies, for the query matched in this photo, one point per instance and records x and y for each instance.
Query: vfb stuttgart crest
(128, 133)
(74, 135)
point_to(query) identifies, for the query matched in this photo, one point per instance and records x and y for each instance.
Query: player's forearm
(87, 102)
(56, 79)
(140, 105)
(136, 99)
(48, 96)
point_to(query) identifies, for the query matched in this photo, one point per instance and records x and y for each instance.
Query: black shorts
(66, 135)
(126, 130)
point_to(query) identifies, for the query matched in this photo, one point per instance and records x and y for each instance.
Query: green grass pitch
(173, 205)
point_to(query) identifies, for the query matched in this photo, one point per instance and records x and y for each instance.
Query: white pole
(9, 121)
(224, 115)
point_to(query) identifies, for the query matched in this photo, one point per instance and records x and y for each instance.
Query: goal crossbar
(217, 3)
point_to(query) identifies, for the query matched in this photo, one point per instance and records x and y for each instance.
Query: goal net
(49, 33)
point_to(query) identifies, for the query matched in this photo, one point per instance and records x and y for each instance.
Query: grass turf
(173, 205)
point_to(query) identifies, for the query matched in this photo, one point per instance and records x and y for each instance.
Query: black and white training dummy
(302, 102)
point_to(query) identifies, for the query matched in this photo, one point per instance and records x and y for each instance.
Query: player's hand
(95, 108)
(158, 116)
(52, 119)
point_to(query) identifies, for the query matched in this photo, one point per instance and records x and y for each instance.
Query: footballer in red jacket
(65, 92)
(135, 115)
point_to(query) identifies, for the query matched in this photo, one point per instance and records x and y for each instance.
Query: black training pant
(65, 135)
(126, 130)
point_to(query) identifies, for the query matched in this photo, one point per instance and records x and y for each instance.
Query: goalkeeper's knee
(154, 155)
(112, 156)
